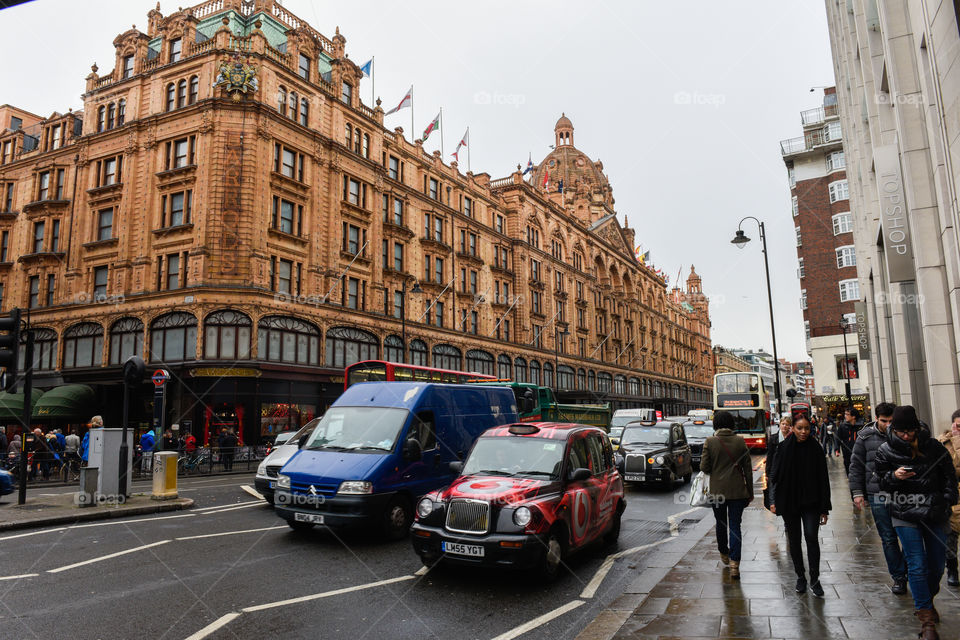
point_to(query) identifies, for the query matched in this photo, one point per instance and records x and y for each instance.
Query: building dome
(563, 123)
(569, 164)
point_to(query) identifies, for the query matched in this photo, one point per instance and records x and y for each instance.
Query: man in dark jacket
(865, 488)
(847, 435)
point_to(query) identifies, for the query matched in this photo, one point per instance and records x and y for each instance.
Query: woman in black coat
(917, 476)
(800, 494)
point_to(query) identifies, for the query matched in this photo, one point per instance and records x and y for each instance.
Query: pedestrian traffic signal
(10, 348)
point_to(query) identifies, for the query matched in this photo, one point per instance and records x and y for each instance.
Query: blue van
(381, 446)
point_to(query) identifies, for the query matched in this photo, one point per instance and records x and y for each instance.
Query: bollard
(164, 475)
(86, 497)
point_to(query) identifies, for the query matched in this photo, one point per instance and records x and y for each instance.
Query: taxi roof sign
(523, 429)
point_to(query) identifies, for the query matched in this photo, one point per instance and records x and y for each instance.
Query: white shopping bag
(700, 491)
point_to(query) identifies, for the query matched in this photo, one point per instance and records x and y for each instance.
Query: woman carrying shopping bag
(726, 460)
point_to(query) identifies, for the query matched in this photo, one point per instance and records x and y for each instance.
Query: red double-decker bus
(379, 370)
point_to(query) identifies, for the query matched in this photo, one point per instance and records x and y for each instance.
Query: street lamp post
(846, 360)
(557, 335)
(403, 314)
(740, 240)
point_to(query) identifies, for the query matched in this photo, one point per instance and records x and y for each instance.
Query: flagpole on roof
(373, 80)
(441, 132)
(468, 148)
(411, 116)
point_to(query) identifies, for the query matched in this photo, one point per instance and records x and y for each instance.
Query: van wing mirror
(456, 466)
(412, 451)
(580, 474)
(303, 440)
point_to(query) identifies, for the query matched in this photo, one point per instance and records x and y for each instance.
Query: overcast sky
(684, 102)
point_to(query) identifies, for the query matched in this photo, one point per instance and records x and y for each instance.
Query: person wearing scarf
(800, 494)
(917, 474)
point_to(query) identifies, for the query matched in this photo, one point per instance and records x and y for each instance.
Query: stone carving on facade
(237, 77)
(131, 142)
(150, 138)
(206, 121)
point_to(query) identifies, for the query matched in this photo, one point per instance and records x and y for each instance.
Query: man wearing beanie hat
(917, 473)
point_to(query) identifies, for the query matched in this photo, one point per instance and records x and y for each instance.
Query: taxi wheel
(610, 538)
(552, 556)
(686, 478)
(397, 519)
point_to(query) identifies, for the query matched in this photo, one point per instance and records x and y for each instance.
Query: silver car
(286, 444)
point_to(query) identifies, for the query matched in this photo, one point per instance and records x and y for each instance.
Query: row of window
(111, 115)
(294, 106)
(180, 94)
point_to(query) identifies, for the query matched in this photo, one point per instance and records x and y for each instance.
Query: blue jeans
(730, 514)
(896, 565)
(925, 549)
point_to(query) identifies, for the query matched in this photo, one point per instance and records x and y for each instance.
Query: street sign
(160, 377)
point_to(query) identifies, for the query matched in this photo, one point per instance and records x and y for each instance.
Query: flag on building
(464, 142)
(560, 186)
(546, 180)
(407, 99)
(367, 68)
(433, 126)
(529, 165)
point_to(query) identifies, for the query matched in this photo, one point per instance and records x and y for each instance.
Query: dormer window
(127, 67)
(304, 69)
(175, 49)
(55, 139)
(346, 93)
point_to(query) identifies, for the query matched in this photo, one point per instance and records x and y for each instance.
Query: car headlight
(424, 507)
(522, 517)
(262, 469)
(283, 482)
(355, 487)
(659, 459)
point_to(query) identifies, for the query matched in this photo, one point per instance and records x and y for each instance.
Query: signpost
(160, 377)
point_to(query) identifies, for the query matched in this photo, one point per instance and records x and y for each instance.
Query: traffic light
(10, 347)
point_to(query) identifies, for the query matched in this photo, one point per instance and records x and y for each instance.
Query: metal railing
(815, 116)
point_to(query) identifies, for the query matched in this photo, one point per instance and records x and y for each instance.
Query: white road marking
(252, 491)
(598, 577)
(32, 533)
(243, 506)
(674, 521)
(213, 626)
(536, 622)
(227, 506)
(422, 571)
(107, 557)
(25, 575)
(231, 533)
(325, 594)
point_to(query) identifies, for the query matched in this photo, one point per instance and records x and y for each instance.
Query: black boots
(801, 585)
(900, 586)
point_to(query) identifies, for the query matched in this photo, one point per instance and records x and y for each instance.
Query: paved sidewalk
(696, 598)
(48, 510)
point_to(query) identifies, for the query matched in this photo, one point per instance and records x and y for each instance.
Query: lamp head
(416, 288)
(740, 239)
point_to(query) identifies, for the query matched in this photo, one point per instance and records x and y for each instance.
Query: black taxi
(655, 452)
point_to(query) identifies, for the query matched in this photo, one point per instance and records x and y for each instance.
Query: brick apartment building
(827, 260)
(227, 207)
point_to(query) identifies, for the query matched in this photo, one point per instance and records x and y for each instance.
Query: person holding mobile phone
(918, 473)
(951, 440)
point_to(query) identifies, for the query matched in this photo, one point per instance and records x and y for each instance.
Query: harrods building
(226, 207)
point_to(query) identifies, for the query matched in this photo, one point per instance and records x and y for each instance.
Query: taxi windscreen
(541, 457)
(645, 435)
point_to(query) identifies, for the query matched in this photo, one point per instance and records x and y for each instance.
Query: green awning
(71, 402)
(11, 405)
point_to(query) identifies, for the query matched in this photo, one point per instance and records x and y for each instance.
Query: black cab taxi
(655, 451)
(528, 495)
(697, 432)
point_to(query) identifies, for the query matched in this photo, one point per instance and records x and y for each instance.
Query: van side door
(419, 476)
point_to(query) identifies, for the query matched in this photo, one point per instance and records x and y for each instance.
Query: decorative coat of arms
(237, 77)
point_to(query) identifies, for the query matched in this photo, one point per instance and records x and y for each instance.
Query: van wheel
(552, 556)
(397, 519)
(300, 527)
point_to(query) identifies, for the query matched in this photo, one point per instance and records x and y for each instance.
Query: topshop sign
(897, 243)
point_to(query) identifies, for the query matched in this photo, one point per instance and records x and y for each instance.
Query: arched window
(346, 345)
(227, 335)
(282, 101)
(126, 339)
(633, 386)
(171, 96)
(365, 150)
(357, 137)
(547, 374)
(620, 384)
(534, 372)
(194, 89)
(101, 118)
(181, 94)
(591, 380)
(480, 362)
(83, 346)
(520, 370)
(111, 115)
(393, 349)
(504, 369)
(173, 337)
(604, 381)
(121, 112)
(565, 377)
(44, 349)
(286, 339)
(304, 111)
(446, 356)
(294, 105)
(581, 380)
(418, 353)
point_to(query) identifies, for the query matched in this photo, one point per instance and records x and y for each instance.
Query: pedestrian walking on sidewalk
(847, 435)
(865, 490)
(917, 471)
(951, 441)
(830, 445)
(774, 441)
(726, 460)
(3, 439)
(801, 496)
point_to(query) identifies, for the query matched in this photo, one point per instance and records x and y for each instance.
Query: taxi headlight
(424, 507)
(522, 517)
(356, 487)
(283, 482)
(659, 459)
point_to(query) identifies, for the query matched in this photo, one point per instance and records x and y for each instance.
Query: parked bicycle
(187, 464)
